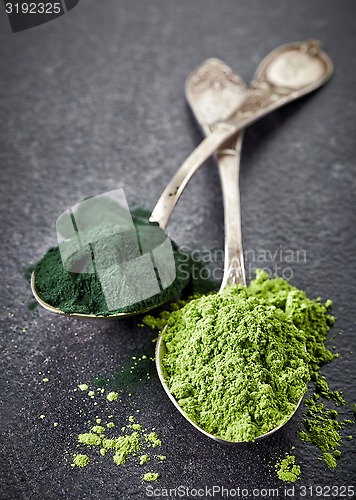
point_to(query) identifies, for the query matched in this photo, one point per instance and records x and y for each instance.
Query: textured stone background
(93, 101)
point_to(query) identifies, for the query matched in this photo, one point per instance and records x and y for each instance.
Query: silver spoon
(202, 91)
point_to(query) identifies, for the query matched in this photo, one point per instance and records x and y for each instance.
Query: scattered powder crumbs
(98, 429)
(83, 387)
(80, 460)
(150, 476)
(153, 440)
(91, 394)
(161, 457)
(287, 470)
(144, 459)
(42, 417)
(89, 439)
(136, 427)
(329, 460)
(45, 380)
(124, 446)
(55, 424)
(102, 441)
(112, 396)
(322, 428)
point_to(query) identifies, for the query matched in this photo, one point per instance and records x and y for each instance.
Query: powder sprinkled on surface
(98, 429)
(112, 396)
(287, 470)
(153, 440)
(89, 439)
(322, 428)
(150, 476)
(102, 441)
(80, 460)
(144, 459)
(124, 446)
(329, 460)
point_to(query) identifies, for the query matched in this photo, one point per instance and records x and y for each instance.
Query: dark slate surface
(93, 101)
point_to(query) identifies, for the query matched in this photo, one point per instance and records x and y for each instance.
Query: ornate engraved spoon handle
(214, 92)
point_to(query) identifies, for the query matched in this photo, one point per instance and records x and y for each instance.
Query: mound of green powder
(243, 351)
(236, 364)
(82, 292)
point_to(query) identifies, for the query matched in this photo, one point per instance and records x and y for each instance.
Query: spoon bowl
(56, 310)
(161, 350)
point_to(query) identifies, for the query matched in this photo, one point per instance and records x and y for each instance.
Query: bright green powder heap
(236, 358)
(236, 361)
(311, 317)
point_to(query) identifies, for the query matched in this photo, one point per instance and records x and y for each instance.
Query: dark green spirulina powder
(82, 292)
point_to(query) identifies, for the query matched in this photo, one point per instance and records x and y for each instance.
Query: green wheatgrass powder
(121, 446)
(235, 362)
(322, 428)
(102, 441)
(80, 460)
(329, 460)
(150, 476)
(287, 470)
(82, 292)
(144, 459)
(311, 317)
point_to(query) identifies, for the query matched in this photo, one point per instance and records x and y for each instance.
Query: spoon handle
(287, 73)
(168, 199)
(229, 167)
